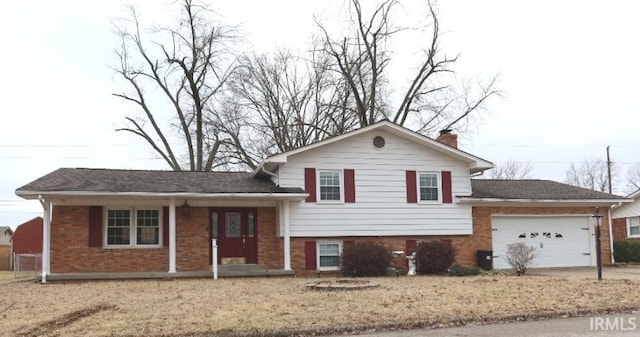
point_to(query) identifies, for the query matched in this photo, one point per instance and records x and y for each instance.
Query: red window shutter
(165, 226)
(349, 185)
(310, 255)
(95, 226)
(310, 183)
(410, 247)
(447, 196)
(412, 193)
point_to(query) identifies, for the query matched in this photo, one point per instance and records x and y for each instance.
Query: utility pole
(609, 170)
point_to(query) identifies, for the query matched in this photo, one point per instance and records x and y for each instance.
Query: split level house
(297, 210)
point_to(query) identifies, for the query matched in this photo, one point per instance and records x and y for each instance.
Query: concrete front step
(237, 267)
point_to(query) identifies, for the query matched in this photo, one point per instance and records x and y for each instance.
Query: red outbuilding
(27, 238)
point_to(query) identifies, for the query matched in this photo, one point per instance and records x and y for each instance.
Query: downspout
(613, 260)
(277, 176)
(283, 211)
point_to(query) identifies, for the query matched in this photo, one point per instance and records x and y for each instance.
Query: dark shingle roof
(533, 190)
(123, 181)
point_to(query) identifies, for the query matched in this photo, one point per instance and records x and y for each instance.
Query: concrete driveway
(608, 273)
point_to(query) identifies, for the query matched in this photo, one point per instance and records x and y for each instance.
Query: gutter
(545, 201)
(277, 196)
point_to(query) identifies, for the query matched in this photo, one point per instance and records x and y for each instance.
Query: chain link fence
(27, 265)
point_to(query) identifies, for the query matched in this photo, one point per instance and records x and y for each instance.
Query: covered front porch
(252, 237)
(224, 271)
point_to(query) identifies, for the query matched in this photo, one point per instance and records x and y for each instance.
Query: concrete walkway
(608, 273)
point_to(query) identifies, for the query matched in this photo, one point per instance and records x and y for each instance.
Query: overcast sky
(569, 70)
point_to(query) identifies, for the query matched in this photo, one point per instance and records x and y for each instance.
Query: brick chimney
(448, 138)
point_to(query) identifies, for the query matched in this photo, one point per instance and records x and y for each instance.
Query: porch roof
(85, 181)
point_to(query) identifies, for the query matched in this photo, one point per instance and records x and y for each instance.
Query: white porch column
(46, 239)
(287, 235)
(172, 235)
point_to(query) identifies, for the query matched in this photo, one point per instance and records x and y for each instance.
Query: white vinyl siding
(381, 206)
(633, 226)
(628, 210)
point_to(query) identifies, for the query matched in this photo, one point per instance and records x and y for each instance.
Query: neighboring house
(626, 219)
(297, 210)
(5, 247)
(27, 238)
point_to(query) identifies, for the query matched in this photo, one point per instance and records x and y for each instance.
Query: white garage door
(560, 241)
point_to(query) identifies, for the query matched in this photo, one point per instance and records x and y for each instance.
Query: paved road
(612, 325)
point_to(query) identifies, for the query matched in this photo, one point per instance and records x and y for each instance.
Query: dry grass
(263, 306)
(6, 275)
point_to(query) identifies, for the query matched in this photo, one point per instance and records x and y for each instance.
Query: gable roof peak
(477, 164)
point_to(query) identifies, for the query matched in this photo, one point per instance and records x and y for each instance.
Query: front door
(235, 230)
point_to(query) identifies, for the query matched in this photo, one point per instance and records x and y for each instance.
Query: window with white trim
(633, 226)
(132, 227)
(330, 185)
(329, 255)
(428, 186)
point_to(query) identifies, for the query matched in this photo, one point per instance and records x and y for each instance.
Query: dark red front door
(235, 229)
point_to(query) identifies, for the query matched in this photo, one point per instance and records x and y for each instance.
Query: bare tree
(431, 100)
(633, 178)
(512, 170)
(228, 111)
(289, 100)
(591, 174)
(189, 66)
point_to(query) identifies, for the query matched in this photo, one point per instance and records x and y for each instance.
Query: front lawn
(266, 306)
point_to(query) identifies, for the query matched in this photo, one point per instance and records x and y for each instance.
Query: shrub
(434, 257)
(626, 251)
(519, 255)
(366, 258)
(457, 269)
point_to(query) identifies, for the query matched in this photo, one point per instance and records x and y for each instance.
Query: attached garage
(560, 240)
(555, 218)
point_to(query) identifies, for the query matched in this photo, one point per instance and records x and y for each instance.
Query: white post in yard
(287, 236)
(214, 258)
(172, 235)
(46, 238)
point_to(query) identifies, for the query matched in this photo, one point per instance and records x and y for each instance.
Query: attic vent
(378, 142)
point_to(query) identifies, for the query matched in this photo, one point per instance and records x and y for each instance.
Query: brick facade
(466, 246)
(619, 228)
(192, 240)
(270, 246)
(70, 252)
